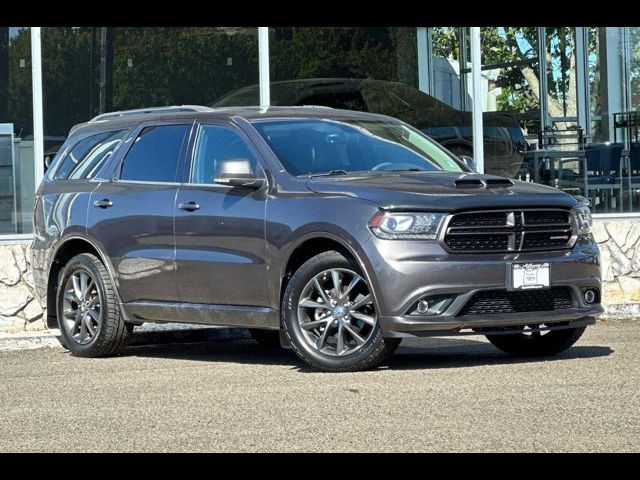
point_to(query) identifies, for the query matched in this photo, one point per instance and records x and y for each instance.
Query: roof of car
(129, 118)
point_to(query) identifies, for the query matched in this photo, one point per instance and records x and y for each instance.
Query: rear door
(131, 215)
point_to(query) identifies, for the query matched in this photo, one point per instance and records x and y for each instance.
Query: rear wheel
(529, 343)
(330, 316)
(89, 317)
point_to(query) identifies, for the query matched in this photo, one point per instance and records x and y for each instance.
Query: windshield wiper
(329, 173)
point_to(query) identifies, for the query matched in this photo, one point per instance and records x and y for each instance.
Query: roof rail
(146, 111)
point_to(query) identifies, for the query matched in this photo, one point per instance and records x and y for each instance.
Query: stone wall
(619, 242)
(20, 309)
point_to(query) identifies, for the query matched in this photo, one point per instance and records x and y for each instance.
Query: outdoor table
(536, 157)
(539, 156)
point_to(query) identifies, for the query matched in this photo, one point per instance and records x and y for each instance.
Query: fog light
(423, 307)
(431, 305)
(590, 296)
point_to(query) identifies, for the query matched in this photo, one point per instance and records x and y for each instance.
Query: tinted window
(321, 146)
(215, 144)
(88, 155)
(155, 154)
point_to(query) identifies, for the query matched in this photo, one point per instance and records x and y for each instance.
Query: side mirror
(237, 172)
(469, 162)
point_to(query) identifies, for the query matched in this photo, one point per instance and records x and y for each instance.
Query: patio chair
(600, 174)
(633, 171)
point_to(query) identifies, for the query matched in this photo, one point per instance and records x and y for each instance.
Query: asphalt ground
(217, 390)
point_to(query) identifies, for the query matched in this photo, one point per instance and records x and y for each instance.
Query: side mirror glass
(469, 162)
(237, 172)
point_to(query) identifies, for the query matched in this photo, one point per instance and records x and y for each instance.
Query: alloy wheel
(81, 307)
(336, 312)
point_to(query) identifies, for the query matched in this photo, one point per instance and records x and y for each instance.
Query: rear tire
(334, 329)
(529, 345)
(89, 317)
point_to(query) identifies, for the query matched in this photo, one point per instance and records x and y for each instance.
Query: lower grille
(504, 301)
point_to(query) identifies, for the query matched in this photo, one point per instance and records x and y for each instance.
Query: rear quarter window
(85, 158)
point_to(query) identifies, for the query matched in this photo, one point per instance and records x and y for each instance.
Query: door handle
(189, 206)
(104, 203)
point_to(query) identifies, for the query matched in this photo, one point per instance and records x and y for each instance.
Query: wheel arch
(65, 251)
(315, 243)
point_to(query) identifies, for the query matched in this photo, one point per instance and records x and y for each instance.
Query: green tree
(20, 107)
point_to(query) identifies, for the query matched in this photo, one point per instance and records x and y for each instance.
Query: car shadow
(236, 345)
(456, 352)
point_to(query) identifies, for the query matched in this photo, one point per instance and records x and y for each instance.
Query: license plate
(528, 276)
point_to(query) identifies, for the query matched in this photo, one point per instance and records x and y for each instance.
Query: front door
(220, 230)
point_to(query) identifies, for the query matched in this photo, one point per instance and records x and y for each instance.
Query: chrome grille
(509, 231)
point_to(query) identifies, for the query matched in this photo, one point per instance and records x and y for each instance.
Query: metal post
(36, 86)
(4, 74)
(626, 69)
(91, 112)
(106, 69)
(462, 65)
(542, 76)
(425, 67)
(476, 110)
(263, 66)
(612, 79)
(582, 80)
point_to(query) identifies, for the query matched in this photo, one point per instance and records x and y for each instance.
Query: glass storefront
(571, 90)
(16, 131)
(92, 70)
(559, 103)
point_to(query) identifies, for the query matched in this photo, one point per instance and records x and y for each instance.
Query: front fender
(293, 221)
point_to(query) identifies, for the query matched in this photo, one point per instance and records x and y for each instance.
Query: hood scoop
(482, 183)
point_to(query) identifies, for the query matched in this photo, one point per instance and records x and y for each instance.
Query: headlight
(583, 219)
(403, 225)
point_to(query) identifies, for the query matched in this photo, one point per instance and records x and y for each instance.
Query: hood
(441, 191)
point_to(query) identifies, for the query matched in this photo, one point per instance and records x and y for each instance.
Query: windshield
(316, 146)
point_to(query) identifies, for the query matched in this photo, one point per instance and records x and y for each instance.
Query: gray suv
(332, 232)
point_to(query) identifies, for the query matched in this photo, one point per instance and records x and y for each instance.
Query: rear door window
(155, 154)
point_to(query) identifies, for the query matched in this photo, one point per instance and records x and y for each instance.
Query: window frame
(114, 170)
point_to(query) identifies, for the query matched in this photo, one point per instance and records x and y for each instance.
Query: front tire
(537, 344)
(330, 317)
(89, 317)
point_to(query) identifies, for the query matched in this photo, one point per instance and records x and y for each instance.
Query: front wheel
(330, 318)
(530, 343)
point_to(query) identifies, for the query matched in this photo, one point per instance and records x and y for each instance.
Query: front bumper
(487, 324)
(406, 271)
